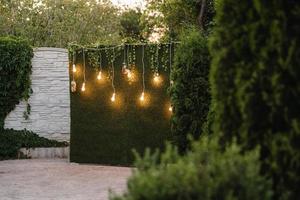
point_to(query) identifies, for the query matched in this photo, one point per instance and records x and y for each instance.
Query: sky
(130, 3)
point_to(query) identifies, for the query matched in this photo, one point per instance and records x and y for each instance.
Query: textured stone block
(50, 101)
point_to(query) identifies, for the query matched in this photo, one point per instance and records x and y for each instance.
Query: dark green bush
(256, 86)
(190, 93)
(15, 70)
(206, 173)
(11, 141)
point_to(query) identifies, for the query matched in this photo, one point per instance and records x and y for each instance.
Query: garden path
(59, 180)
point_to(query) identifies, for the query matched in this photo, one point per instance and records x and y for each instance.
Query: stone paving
(58, 179)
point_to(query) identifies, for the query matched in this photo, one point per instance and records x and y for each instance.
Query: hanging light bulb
(74, 68)
(113, 98)
(129, 74)
(83, 87)
(99, 77)
(73, 86)
(142, 98)
(170, 109)
(156, 77)
(124, 68)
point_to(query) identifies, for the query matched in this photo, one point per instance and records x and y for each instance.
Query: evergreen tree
(255, 84)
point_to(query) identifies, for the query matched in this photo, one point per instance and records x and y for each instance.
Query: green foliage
(15, 70)
(11, 141)
(55, 23)
(255, 84)
(205, 173)
(190, 93)
(174, 16)
(131, 27)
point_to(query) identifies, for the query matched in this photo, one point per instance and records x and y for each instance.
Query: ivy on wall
(15, 70)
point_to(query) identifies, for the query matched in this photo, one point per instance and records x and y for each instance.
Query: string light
(73, 82)
(83, 87)
(74, 66)
(83, 84)
(142, 98)
(156, 77)
(170, 63)
(73, 86)
(129, 74)
(124, 67)
(113, 98)
(99, 76)
(125, 70)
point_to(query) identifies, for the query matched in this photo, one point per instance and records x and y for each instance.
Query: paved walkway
(59, 180)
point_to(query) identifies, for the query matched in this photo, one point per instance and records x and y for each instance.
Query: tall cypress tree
(190, 92)
(255, 80)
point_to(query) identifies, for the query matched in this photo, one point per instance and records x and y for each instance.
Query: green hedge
(255, 84)
(105, 132)
(205, 173)
(15, 70)
(190, 93)
(11, 141)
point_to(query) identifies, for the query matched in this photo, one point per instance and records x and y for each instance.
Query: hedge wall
(15, 70)
(190, 93)
(255, 84)
(106, 132)
(12, 140)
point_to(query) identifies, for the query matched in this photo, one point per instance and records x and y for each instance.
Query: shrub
(204, 173)
(255, 84)
(11, 141)
(190, 94)
(15, 70)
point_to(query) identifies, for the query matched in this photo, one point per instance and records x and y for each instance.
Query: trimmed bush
(190, 93)
(205, 173)
(255, 84)
(15, 70)
(11, 141)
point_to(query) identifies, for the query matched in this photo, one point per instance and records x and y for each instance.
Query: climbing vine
(15, 70)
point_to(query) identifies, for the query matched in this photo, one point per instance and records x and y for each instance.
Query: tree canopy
(57, 23)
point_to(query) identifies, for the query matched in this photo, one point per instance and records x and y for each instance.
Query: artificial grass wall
(105, 132)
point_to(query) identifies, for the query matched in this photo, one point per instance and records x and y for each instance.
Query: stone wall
(50, 101)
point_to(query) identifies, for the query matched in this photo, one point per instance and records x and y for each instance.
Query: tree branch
(201, 14)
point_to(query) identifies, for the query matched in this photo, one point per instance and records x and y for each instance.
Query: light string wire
(143, 63)
(73, 76)
(127, 55)
(83, 55)
(113, 72)
(121, 45)
(100, 60)
(170, 61)
(124, 62)
(157, 60)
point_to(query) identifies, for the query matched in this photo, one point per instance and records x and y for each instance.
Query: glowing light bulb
(124, 69)
(170, 109)
(99, 77)
(113, 98)
(129, 74)
(142, 98)
(74, 68)
(156, 77)
(83, 87)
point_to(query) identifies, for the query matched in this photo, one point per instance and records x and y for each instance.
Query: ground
(59, 180)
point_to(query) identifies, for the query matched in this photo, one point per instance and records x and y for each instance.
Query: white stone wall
(50, 101)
